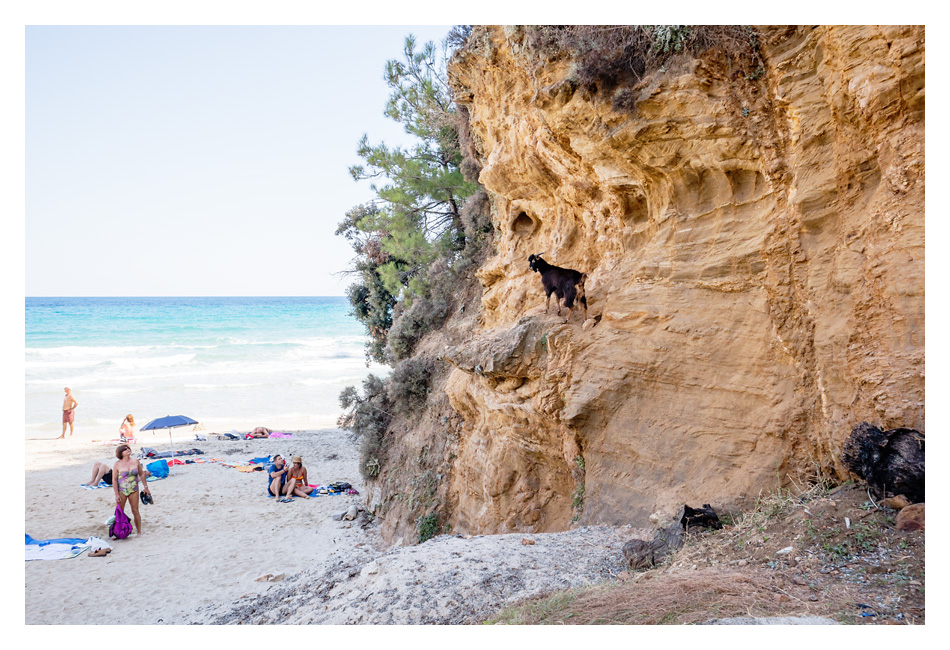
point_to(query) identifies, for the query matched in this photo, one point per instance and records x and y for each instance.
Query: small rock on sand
(911, 518)
(370, 569)
(898, 502)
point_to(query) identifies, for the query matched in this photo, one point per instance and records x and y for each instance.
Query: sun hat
(297, 459)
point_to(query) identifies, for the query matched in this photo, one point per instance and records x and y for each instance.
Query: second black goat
(565, 284)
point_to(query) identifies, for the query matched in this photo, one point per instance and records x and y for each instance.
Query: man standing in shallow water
(69, 412)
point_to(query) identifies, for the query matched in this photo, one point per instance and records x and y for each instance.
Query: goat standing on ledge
(565, 284)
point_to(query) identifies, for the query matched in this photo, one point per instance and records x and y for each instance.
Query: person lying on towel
(103, 472)
(259, 432)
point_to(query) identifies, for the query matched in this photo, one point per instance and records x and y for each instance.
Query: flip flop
(99, 552)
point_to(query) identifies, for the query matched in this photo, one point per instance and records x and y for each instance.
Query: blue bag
(158, 468)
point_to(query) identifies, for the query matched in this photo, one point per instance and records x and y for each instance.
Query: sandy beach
(209, 536)
(215, 550)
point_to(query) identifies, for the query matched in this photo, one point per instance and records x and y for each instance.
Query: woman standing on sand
(126, 429)
(126, 474)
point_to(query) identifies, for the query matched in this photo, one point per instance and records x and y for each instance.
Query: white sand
(209, 535)
(212, 533)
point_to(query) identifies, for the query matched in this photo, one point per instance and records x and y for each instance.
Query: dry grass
(672, 598)
(813, 551)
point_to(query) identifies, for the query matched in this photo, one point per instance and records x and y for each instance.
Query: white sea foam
(114, 391)
(72, 380)
(218, 386)
(152, 362)
(87, 351)
(41, 365)
(312, 381)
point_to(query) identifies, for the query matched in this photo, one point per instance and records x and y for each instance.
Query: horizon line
(205, 296)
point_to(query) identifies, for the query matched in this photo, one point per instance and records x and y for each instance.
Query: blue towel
(312, 494)
(259, 461)
(102, 484)
(60, 540)
(54, 549)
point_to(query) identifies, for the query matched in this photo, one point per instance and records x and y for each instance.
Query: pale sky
(192, 161)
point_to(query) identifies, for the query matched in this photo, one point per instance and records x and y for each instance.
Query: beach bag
(121, 527)
(158, 468)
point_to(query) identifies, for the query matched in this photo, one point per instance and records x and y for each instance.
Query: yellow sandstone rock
(755, 252)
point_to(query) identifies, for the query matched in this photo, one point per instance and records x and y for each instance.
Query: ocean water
(230, 363)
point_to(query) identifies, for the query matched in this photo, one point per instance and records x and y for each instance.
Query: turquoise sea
(230, 362)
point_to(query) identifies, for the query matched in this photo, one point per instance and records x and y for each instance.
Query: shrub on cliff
(367, 416)
(409, 384)
(422, 316)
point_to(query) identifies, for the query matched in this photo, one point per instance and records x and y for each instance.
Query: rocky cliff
(755, 250)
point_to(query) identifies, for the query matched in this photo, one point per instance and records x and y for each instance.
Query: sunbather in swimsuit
(128, 482)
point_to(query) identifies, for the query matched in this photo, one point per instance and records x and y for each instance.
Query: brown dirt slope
(847, 562)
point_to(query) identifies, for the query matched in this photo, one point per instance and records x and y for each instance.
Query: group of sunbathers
(285, 481)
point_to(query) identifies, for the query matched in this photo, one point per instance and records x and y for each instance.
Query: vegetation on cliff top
(611, 60)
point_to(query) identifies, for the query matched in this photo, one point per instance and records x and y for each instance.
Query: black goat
(565, 284)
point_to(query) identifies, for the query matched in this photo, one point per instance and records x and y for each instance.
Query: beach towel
(312, 494)
(54, 549)
(151, 453)
(278, 434)
(102, 484)
(259, 461)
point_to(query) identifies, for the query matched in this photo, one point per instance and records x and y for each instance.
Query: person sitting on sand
(259, 432)
(276, 476)
(297, 479)
(127, 473)
(126, 432)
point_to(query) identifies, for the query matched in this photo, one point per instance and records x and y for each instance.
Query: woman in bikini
(126, 474)
(126, 432)
(297, 479)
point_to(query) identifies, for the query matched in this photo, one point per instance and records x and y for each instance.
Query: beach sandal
(286, 500)
(99, 552)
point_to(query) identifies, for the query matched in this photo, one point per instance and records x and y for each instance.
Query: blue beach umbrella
(169, 422)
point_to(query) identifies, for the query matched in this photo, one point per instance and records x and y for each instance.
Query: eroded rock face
(755, 253)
